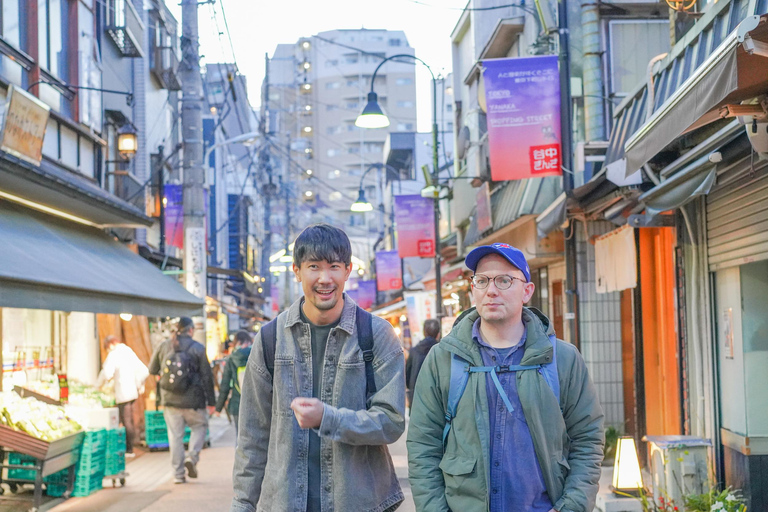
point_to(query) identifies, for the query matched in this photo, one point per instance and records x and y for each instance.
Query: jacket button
(328, 389)
(327, 488)
(330, 359)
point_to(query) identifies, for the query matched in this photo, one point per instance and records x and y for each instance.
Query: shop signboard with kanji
(389, 274)
(523, 114)
(415, 220)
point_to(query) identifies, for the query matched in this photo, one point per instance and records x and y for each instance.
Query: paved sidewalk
(149, 486)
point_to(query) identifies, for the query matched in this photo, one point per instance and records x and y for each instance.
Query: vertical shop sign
(389, 274)
(415, 220)
(484, 219)
(26, 119)
(728, 333)
(366, 294)
(419, 306)
(195, 261)
(523, 112)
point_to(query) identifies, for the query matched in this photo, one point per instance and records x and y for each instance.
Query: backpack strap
(365, 341)
(459, 378)
(549, 370)
(268, 344)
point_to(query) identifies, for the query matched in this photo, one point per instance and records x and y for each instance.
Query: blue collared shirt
(516, 479)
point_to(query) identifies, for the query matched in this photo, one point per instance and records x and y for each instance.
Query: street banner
(173, 213)
(419, 307)
(26, 119)
(523, 102)
(389, 274)
(415, 220)
(366, 294)
(484, 219)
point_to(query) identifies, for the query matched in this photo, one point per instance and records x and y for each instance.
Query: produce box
(21, 460)
(115, 463)
(94, 418)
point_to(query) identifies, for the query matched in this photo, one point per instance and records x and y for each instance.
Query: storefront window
(10, 31)
(28, 345)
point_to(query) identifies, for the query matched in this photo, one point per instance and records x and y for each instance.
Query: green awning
(52, 263)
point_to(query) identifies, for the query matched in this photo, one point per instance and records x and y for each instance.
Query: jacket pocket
(283, 386)
(561, 469)
(459, 474)
(457, 466)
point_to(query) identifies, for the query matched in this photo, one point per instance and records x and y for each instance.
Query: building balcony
(164, 66)
(125, 28)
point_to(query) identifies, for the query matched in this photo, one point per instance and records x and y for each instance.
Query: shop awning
(51, 263)
(400, 304)
(735, 72)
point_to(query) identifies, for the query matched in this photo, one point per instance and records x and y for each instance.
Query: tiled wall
(600, 322)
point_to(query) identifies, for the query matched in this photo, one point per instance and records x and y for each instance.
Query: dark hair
(184, 323)
(431, 328)
(243, 337)
(322, 242)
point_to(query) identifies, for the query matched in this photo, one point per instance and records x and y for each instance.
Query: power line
(475, 9)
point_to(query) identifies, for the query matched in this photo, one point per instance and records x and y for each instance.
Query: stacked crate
(156, 431)
(115, 463)
(90, 469)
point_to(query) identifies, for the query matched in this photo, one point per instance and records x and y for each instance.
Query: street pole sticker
(195, 261)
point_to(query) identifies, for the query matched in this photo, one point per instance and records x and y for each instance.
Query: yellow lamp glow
(126, 316)
(627, 478)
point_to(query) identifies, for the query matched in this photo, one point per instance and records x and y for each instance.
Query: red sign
(414, 216)
(63, 388)
(388, 271)
(545, 159)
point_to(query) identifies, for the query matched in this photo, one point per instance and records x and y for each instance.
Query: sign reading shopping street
(24, 122)
(389, 275)
(415, 220)
(523, 112)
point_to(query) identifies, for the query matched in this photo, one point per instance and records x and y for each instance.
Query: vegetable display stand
(38, 459)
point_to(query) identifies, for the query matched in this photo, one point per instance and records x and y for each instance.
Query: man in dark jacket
(185, 406)
(231, 377)
(417, 354)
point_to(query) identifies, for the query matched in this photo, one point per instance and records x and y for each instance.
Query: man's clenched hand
(308, 411)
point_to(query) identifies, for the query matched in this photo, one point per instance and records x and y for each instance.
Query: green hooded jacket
(236, 360)
(568, 444)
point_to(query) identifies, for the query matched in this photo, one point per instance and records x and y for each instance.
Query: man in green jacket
(231, 377)
(510, 445)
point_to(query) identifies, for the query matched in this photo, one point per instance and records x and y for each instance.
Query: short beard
(326, 306)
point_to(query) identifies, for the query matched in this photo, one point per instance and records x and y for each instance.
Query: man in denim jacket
(308, 440)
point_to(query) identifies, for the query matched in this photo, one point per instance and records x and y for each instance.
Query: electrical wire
(474, 9)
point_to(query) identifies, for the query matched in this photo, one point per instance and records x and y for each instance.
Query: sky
(256, 27)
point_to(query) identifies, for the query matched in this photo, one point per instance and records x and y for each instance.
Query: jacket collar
(346, 322)
(538, 349)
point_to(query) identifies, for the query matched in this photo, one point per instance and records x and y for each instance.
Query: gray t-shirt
(320, 335)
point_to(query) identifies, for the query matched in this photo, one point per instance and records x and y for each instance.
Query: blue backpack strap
(495, 370)
(268, 344)
(459, 378)
(549, 370)
(365, 341)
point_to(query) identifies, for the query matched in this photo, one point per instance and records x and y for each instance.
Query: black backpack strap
(268, 344)
(365, 341)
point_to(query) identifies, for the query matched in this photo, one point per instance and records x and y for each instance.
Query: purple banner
(366, 294)
(389, 274)
(523, 107)
(174, 216)
(415, 220)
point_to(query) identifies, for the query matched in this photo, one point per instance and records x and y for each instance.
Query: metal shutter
(737, 215)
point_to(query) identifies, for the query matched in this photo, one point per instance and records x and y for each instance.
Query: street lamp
(245, 139)
(373, 116)
(362, 204)
(127, 141)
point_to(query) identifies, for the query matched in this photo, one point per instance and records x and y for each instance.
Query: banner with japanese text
(523, 114)
(389, 274)
(415, 220)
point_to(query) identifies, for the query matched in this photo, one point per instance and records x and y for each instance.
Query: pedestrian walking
(123, 368)
(323, 395)
(232, 377)
(417, 354)
(505, 416)
(186, 388)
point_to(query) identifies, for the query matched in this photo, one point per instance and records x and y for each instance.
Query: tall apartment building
(317, 87)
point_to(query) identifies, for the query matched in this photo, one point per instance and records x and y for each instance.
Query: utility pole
(566, 120)
(265, 165)
(287, 194)
(195, 254)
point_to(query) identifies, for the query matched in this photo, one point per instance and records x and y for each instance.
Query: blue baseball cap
(512, 254)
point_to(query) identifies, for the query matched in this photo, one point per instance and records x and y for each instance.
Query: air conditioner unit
(679, 466)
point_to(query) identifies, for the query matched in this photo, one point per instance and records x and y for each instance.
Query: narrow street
(149, 486)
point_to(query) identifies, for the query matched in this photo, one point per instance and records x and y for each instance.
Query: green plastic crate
(115, 463)
(154, 419)
(116, 440)
(85, 486)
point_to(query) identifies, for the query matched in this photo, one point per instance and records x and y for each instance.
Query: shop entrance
(660, 352)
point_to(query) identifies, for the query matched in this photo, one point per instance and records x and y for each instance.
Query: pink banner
(366, 294)
(389, 274)
(484, 219)
(523, 111)
(415, 220)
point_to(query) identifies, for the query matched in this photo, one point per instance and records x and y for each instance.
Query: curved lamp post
(373, 116)
(245, 139)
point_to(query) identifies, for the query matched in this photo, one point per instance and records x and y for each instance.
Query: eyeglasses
(501, 281)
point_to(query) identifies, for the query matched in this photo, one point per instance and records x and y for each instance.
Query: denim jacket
(357, 472)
